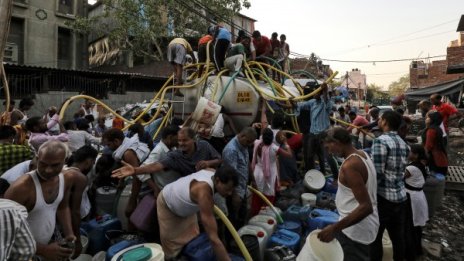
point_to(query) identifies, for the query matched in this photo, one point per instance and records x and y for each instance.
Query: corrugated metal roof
(13, 65)
(461, 24)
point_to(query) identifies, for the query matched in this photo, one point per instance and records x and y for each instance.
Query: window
(64, 48)
(66, 6)
(14, 51)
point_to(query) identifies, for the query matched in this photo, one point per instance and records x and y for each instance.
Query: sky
(362, 30)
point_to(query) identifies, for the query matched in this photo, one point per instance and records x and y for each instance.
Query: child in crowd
(434, 143)
(264, 166)
(417, 211)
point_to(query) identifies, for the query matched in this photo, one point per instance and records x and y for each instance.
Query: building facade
(425, 74)
(356, 82)
(39, 35)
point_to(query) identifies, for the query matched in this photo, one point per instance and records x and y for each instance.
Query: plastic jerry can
(96, 229)
(199, 249)
(325, 199)
(269, 212)
(104, 199)
(321, 218)
(283, 237)
(268, 223)
(122, 204)
(297, 213)
(387, 247)
(279, 253)
(258, 235)
(144, 216)
(114, 249)
(105, 222)
(329, 186)
(294, 226)
(308, 199)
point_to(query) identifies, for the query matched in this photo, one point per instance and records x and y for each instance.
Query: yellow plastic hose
(234, 233)
(304, 97)
(353, 126)
(259, 194)
(163, 123)
(297, 84)
(70, 100)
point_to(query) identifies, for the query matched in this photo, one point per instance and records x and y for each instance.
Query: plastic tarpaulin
(445, 89)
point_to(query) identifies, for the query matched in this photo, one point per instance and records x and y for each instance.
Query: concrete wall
(44, 101)
(41, 35)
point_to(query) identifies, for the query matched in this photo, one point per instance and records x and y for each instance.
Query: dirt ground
(444, 232)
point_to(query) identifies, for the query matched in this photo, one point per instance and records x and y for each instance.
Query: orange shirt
(118, 123)
(205, 39)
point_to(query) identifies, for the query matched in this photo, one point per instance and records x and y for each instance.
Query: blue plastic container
(283, 237)
(297, 213)
(106, 222)
(199, 249)
(294, 226)
(325, 200)
(96, 230)
(320, 218)
(114, 249)
(329, 186)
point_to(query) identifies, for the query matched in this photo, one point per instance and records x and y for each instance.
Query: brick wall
(425, 75)
(455, 55)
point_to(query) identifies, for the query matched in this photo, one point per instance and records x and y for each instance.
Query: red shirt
(262, 45)
(118, 123)
(358, 121)
(446, 111)
(205, 39)
(439, 156)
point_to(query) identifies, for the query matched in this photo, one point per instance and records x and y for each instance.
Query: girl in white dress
(417, 213)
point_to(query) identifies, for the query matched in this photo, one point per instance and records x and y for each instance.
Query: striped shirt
(390, 156)
(320, 112)
(16, 241)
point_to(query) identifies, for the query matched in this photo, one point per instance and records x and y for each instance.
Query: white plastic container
(156, 251)
(260, 234)
(387, 247)
(104, 199)
(100, 256)
(122, 203)
(314, 180)
(85, 243)
(308, 199)
(206, 111)
(268, 223)
(267, 211)
(316, 250)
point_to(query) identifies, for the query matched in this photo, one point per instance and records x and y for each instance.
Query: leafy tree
(398, 87)
(374, 91)
(142, 26)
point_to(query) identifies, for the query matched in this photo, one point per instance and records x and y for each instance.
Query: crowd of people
(225, 53)
(49, 168)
